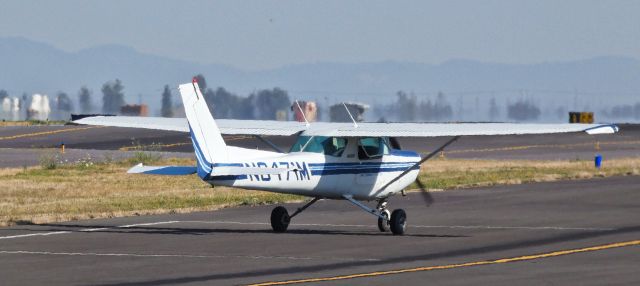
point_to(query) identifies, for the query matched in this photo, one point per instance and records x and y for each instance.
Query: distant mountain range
(29, 66)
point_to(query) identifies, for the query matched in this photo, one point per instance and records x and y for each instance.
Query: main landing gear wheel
(398, 222)
(280, 219)
(383, 224)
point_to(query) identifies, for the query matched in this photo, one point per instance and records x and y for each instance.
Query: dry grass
(39, 195)
(453, 173)
(83, 191)
(31, 122)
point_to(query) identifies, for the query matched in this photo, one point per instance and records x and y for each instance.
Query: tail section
(207, 140)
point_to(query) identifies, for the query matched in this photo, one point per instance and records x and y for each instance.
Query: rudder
(208, 143)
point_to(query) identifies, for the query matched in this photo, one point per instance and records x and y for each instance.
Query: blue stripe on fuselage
(358, 171)
(318, 169)
(204, 167)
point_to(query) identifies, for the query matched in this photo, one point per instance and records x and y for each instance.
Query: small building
(307, 109)
(10, 108)
(338, 113)
(39, 108)
(134, 110)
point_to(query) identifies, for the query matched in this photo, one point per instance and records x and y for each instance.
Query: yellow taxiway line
(144, 147)
(47, 132)
(525, 147)
(460, 265)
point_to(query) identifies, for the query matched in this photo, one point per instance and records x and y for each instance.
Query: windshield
(372, 147)
(332, 146)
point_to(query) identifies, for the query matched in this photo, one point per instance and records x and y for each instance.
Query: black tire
(383, 224)
(398, 222)
(279, 219)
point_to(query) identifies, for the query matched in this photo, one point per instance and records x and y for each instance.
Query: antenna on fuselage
(355, 124)
(302, 112)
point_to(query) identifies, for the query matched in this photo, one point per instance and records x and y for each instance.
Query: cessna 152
(353, 162)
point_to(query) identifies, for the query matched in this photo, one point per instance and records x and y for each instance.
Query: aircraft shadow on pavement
(209, 231)
(403, 259)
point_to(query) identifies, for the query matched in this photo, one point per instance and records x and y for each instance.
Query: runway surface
(572, 232)
(17, 143)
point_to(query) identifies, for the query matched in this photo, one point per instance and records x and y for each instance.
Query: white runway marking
(86, 229)
(33, 234)
(416, 226)
(179, 255)
(149, 223)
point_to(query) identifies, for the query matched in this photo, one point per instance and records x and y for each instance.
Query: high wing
(286, 128)
(450, 129)
(227, 126)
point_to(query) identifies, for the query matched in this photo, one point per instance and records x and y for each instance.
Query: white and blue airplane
(355, 162)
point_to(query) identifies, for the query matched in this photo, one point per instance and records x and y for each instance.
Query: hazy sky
(267, 34)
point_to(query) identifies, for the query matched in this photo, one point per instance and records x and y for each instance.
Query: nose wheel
(398, 222)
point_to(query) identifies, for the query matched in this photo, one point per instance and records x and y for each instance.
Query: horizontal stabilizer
(236, 171)
(162, 170)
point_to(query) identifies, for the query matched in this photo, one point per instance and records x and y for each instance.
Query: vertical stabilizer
(207, 140)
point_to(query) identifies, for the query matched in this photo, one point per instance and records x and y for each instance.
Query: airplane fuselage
(319, 175)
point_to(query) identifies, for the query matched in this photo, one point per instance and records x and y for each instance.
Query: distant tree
(621, 111)
(3, 94)
(405, 106)
(268, 102)
(435, 111)
(262, 104)
(442, 107)
(460, 108)
(112, 96)
(494, 111)
(561, 112)
(224, 104)
(63, 102)
(202, 83)
(84, 100)
(426, 110)
(523, 110)
(167, 105)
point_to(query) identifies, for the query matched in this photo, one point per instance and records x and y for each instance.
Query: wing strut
(419, 163)
(355, 124)
(265, 141)
(302, 113)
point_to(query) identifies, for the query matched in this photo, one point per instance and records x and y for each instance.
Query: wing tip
(603, 129)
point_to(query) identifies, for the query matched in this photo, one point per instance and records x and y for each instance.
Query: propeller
(425, 194)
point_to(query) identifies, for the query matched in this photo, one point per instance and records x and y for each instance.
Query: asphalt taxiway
(572, 232)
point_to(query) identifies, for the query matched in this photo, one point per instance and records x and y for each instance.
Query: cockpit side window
(332, 146)
(372, 147)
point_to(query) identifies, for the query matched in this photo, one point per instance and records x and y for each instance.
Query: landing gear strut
(383, 222)
(397, 221)
(280, 217)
